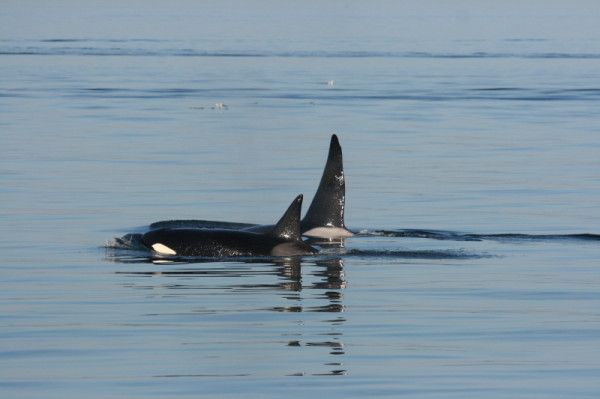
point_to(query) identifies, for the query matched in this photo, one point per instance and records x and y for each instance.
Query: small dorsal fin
(288, 226)
(327, 207)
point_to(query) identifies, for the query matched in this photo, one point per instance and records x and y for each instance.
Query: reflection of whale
(325, 274)
(310, 287)
(325, 216)
(283, 239)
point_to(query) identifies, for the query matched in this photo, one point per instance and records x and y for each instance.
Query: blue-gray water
(478, 121)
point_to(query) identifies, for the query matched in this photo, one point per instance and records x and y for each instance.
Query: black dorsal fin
(288, 226)
(327, 207)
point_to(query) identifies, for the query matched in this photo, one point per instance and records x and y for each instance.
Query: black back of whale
(325, 211)
(284, 239)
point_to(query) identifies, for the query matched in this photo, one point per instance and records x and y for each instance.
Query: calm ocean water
(471, 142)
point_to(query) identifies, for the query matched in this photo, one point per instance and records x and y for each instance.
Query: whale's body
(282, 239)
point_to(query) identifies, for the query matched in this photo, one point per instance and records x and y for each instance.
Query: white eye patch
(163, 249)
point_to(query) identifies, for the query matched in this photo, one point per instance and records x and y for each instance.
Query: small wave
(420, 254)
(166, 48)
(455, 236)
(66, 40)
(468, 94)
(131, 241)
(414, 233)
(537, 237)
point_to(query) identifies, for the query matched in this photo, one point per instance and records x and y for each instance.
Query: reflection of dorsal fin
(327, 207)
(288, 226)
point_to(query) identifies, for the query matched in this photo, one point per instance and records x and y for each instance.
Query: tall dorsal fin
(327, 207)
(288, 226)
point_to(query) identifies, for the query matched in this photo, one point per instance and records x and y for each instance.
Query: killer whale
(325, 215)
(283, 239)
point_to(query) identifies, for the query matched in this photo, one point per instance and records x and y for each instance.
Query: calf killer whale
(283, 239)
(325, 215)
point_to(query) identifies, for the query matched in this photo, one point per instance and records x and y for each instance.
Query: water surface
(470, 137)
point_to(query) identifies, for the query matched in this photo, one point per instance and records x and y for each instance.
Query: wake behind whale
(458, 236)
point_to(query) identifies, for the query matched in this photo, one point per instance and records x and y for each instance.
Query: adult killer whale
(325, 215)
(283, 239)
